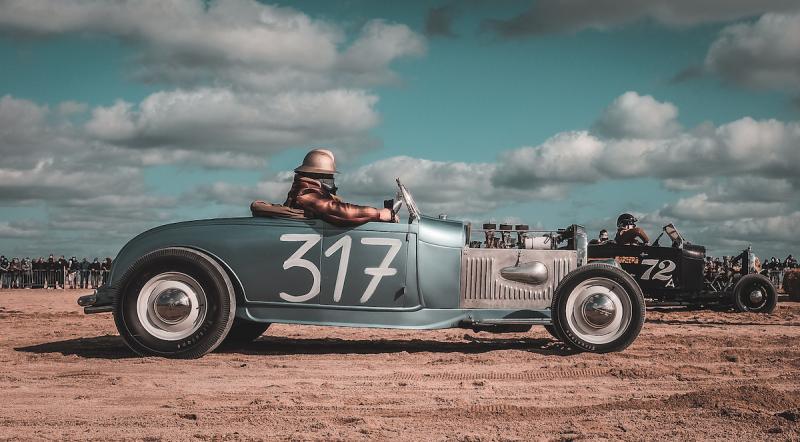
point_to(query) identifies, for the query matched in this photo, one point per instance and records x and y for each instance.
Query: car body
(420, 274)
(682, 273)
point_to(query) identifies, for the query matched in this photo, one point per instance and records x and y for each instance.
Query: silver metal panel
(482, 286)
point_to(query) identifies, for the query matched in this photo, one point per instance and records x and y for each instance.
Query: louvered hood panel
(483, 286)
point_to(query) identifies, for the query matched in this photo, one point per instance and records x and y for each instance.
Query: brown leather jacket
(629, 237)
(317, 202)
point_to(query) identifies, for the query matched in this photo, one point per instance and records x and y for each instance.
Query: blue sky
(508, 110)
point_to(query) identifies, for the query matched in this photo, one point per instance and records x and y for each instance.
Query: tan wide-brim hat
(318, 161)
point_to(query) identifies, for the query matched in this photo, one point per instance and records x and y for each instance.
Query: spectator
(36, 269)
(51, 272)
(26, 273)
(85, 271)
(61, 271)
(95, 268)
(4, 277)
(14, 269)
(106, 268)
(73, 270)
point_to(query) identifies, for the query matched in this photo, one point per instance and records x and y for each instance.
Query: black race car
(681, 273)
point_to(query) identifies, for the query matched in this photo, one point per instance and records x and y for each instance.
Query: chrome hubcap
(756, 296)
(598, 310)
(171, 306)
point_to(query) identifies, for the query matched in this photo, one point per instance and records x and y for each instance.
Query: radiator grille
(483, 287)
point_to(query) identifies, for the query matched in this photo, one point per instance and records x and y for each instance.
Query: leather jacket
(629, 237)
(316, 201)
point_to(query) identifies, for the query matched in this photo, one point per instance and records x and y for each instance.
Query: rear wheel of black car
(174, 303)
(598, 308)
(755, 293)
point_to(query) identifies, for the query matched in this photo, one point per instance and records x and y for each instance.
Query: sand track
(690, 375)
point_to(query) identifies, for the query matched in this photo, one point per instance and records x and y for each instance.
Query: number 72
(344, 244)
(665, 268)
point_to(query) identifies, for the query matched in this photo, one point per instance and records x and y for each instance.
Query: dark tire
(598, 308)
(244, 331)
(755, 293)
(175, 303)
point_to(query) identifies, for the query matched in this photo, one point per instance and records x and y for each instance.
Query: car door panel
(281, 264)
(365, 266)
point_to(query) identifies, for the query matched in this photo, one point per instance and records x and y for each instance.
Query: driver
(602, 238)
(314, 192)
(628, 233)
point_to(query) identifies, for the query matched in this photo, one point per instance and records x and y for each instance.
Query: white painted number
(666, 267)
(649, 262)
(384, 270)
(344, 243)
(297, 260)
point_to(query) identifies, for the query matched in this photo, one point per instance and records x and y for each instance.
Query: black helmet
(626, 219)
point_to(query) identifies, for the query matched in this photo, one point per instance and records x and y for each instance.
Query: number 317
(344, 244)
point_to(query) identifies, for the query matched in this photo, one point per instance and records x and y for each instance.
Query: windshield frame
(413, 210)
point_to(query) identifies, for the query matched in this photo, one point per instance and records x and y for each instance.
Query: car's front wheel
(598, 308)
(174, 303)
(755, 293)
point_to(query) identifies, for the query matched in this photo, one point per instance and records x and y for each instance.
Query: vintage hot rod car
(181, 289)
(681, 273)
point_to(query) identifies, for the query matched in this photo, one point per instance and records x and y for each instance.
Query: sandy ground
(690, 375)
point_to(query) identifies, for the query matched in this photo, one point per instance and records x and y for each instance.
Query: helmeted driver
(628, 233)
(314, 192)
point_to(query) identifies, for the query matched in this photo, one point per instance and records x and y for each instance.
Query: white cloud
(780, 228)
(271, 189)
(378, 45)
(746, 146)
(247, 79)
(763, 55)
(564, 158)
(239, 42)
(689, 183)
(221, 120)
(113, 123)
(637, 116)
(701, 208)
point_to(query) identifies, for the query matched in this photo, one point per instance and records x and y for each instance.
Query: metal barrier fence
(58, 278)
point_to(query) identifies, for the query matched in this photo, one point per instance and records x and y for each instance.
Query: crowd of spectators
(52, 272)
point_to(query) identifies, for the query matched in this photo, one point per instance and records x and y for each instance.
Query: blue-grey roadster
(182, 289)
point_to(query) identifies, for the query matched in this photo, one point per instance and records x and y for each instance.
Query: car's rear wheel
(598, 308)
(175, 303)
(755, 293)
